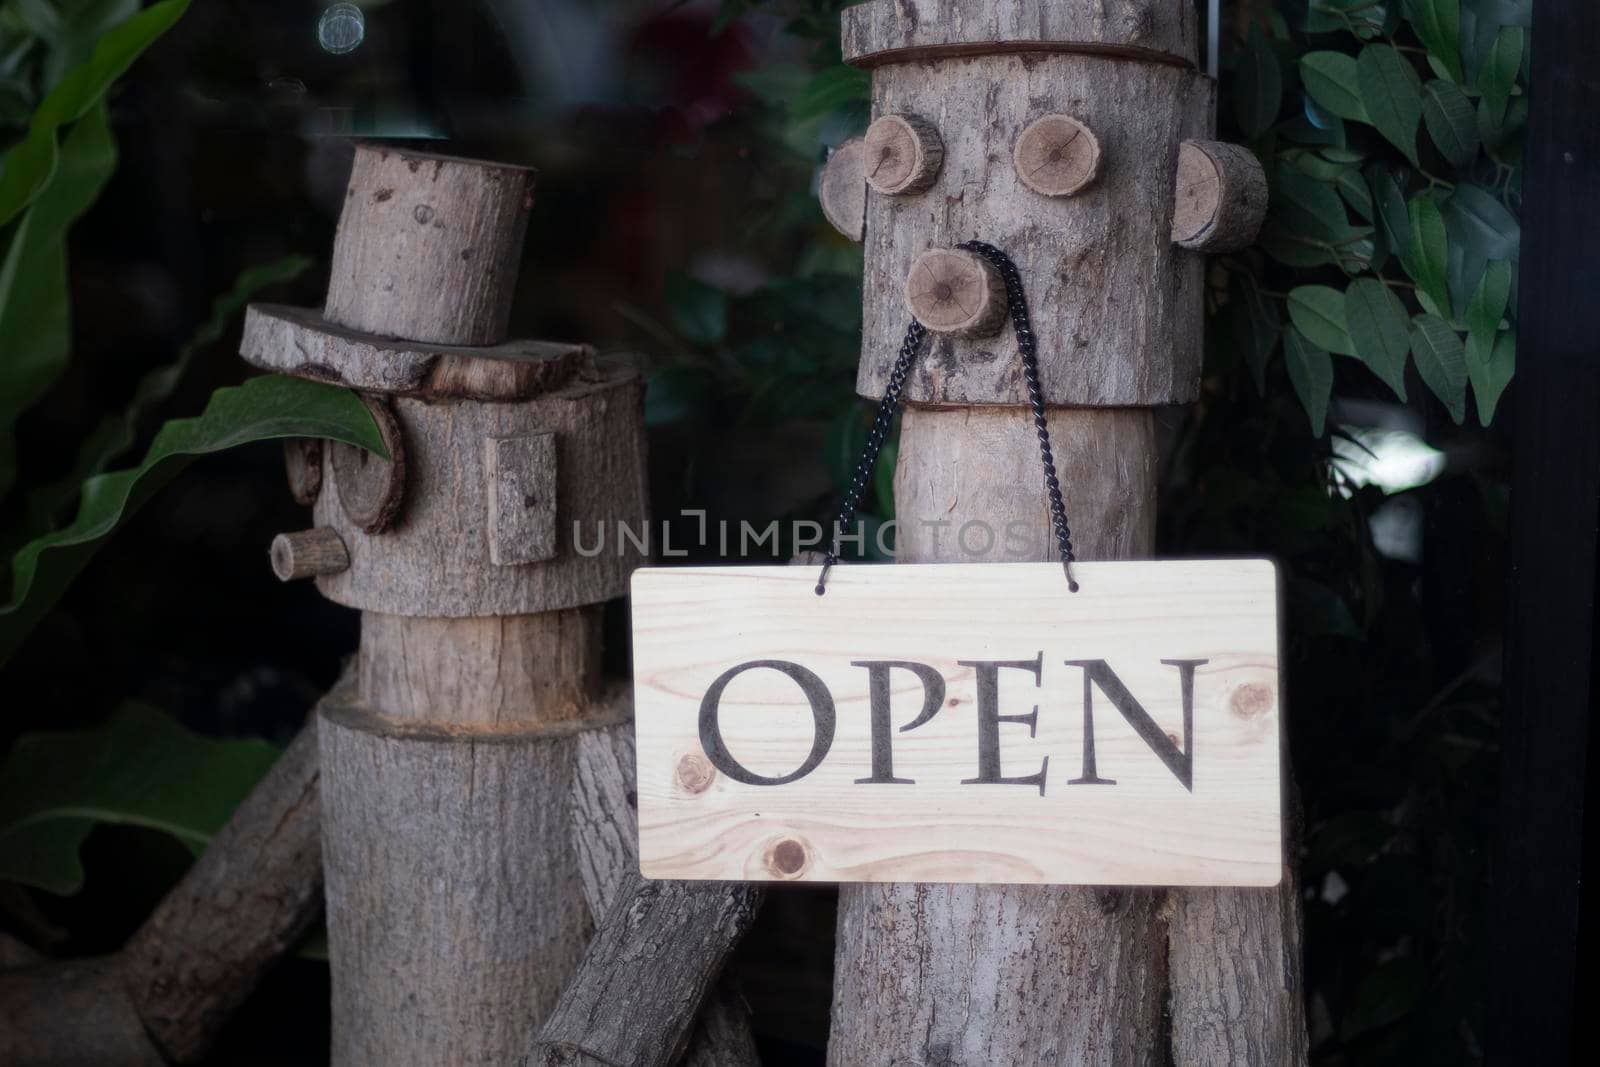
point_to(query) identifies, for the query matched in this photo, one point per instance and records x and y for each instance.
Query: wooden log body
(75, 1013)
(436, 558)
(428, 246)
(1115, 305)
(891, 31)
(455, 905)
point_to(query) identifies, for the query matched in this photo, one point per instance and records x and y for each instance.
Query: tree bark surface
(958, 975)
(605, 834)
(246, 901)
(897, 31)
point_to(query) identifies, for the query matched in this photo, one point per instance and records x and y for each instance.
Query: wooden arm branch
(164, 997)
(654, 960)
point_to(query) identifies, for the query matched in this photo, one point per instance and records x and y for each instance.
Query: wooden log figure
(1073, 135)
(455, 899)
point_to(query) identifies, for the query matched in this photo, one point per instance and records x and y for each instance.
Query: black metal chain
(875, 438)
(1028, 347)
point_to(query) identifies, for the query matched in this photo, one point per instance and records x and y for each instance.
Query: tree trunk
(960, 974)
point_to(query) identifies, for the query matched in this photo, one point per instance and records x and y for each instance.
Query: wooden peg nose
(308, 553)
(950, 290)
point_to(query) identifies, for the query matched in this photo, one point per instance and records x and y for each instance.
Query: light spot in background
(1392, 460)
(341, 29)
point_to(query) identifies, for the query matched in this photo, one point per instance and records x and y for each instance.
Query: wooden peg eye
(903, 154)
(1057, 155)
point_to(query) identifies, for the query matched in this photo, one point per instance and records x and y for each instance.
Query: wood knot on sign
(953, 291)
(903, 154)
(694, 773)
(1251, 700)
(1057, 155)
(787, 858)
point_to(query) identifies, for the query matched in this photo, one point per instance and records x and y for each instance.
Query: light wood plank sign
(960, 723)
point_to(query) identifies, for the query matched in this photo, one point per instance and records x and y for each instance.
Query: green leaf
(1380, 330)
(1451, 120)
(116, 433)
(1393, 223)
(1490, 365)
(699, 311)
(1481, 228)
(1441, 361)
(261, 409)
(1307, 206)
(29, 165)
(1256, 326)
(1391, 92)
(1319, 313)
(1438, 26)
(830, 88)
(1353, 187)
(35, 316)
(140, 769)
(1427, 253)
(1257, 85)
(1311, 373)
(1489, 301)
(1334, 81)
(1498, 75)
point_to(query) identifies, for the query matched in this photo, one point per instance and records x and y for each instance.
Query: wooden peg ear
(842, 188)
(950, 290)
(903, 154)
(1221, 197)
(1057, 156)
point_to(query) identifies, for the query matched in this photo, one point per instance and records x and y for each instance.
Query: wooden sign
(960, 723)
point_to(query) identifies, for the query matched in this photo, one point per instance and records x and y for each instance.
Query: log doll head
(1075, 144)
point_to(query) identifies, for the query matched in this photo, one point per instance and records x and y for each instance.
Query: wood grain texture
(1056, 155)
(521, 472)
(372, 488)
(435, 561)
(302, 465)
(953, 291)
(902, 154)
(842, 188)
(494, 674)
(1115, 305)
(897, 31)
(245, 902)
(605, 830)
(1221, 197)
(301, 342)
(71, 1014)
(1008, 974)
(1235, 962)
(455, 906)
(428, 246)
(307, 553)
(1210, 820)
(637, 991)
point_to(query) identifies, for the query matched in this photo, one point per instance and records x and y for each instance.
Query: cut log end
(302, 461)
(371, 488)
(1057, 156)
(903, 154)
(1220, 199)
(953, 291)
(308, 554)
(842, 189)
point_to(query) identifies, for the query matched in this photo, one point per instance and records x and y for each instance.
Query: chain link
(890, 404)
